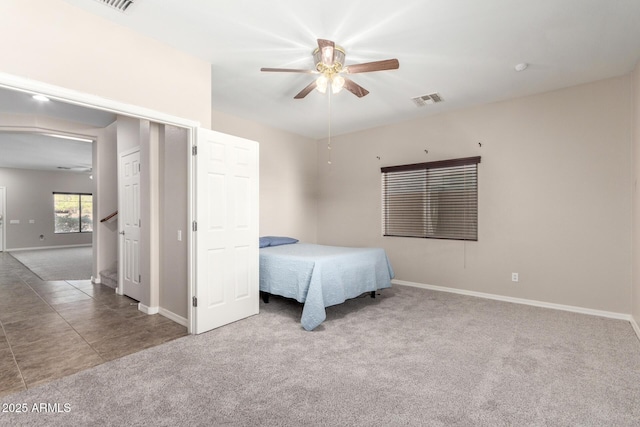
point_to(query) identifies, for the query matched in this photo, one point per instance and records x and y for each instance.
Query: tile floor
(53, 329)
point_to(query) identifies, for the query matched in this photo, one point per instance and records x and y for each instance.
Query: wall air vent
(121, 5)
(432, 98)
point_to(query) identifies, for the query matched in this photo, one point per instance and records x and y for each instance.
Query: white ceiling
(22, 150)
(464, 49)
(15, 102)
(29, 150)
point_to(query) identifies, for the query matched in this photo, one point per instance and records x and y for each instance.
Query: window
(73, 212)
(437, 200)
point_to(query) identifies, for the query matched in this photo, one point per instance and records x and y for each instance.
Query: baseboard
(147, 310)
(176, 318)
(47, 247)
(635, 327)
(571, 308)
(163, 312)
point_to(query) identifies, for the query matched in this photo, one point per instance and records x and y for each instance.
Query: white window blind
(437, 200)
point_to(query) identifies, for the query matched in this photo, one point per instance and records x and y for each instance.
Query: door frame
(21, 84)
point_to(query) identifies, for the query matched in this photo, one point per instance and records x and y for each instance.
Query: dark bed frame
(265, 296)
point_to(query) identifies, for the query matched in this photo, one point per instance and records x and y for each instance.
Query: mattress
(321, 276)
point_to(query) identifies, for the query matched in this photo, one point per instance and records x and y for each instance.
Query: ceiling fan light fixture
(323, 65)
(317, 59)
(338, 58)
(337, 83)
(327, 55)
(328, 59)
(321, 83)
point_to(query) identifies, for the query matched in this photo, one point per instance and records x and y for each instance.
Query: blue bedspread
(321, 276)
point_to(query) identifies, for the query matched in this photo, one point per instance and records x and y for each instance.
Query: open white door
(129, 222)
(226, 240)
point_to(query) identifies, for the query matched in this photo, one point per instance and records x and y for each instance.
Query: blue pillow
(278, 240)
(264, 242)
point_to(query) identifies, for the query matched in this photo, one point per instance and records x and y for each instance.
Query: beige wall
(635, 297)
(134, 133)
(554, 196)
(29, 195)
(59, 44)
(174, 217)
(105, 180)
(288, 177)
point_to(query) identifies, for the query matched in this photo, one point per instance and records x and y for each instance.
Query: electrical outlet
(514, 277)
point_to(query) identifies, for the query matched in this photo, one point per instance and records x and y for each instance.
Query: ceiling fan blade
(324, 43)
(387, 64)
(287, 70)
(306, 91)
(327, 50)
(354, 88)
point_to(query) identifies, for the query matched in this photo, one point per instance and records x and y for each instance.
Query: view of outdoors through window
(73, 213)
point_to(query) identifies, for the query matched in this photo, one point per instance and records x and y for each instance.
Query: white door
(129, 224)
(226, 240)
(2, 215)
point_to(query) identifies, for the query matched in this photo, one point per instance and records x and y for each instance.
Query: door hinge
(195, 301)
(139, 278)
(139, 169)
(194, 226)
(139, 223)
(194, 150)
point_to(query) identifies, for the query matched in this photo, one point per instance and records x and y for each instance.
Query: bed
(321, 276)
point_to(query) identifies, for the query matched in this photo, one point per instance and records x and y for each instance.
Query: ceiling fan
(329, 61)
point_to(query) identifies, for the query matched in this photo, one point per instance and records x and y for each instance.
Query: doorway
(71, 325)
(242, 210)
(101, 174)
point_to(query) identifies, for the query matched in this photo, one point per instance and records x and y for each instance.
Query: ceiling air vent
(121, 5)
(423, 100)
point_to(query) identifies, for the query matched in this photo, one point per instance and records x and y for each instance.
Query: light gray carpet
(410, 357)
(58, 264)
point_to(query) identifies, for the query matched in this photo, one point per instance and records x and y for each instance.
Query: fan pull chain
(329, 138)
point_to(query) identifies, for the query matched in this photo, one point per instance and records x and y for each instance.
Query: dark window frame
(431, 200)
(72, 193)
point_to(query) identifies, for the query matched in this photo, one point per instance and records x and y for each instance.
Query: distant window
(73, 212)
(437, 200)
